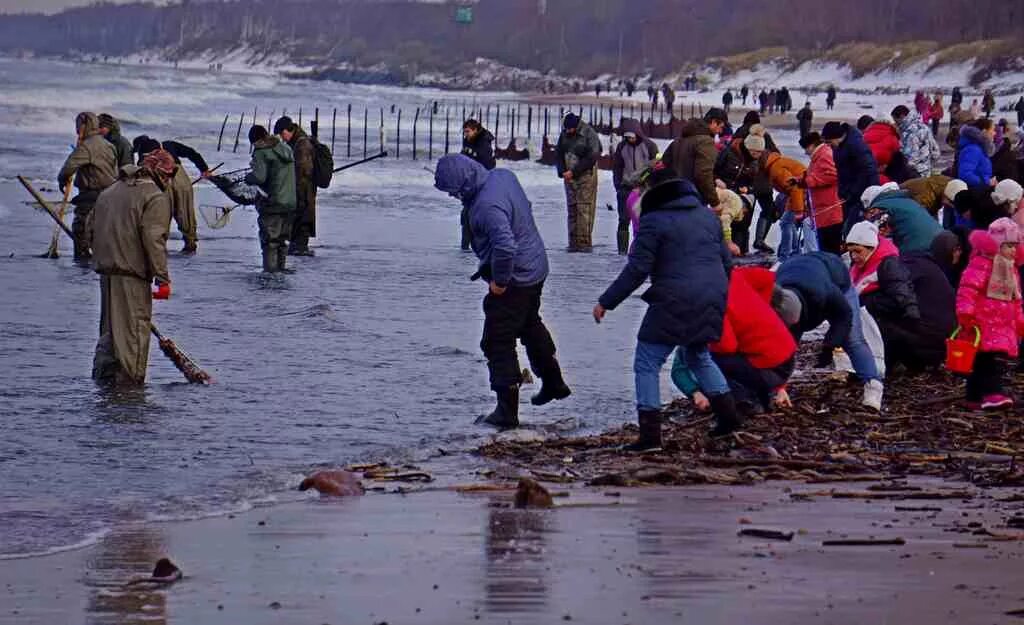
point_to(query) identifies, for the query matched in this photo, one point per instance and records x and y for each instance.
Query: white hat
(1007, 192)
(953, 187)
(873, 192)
(863, 233)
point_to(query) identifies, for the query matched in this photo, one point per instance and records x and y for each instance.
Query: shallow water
(369, 351)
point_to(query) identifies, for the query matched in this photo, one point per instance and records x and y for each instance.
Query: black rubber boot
(506, 413)
(190, 248)
(282, 258)
(650, 431)
(763, 226)
(550, 390)
(269, 260)
(727, 417)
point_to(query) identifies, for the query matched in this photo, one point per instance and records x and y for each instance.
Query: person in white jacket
(917, 141)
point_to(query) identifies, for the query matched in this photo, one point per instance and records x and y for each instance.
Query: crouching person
(814, 288)
(681, 249)
(515, 265)
(756, 354)
(130, 222)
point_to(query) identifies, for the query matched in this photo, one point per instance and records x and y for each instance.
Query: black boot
(269, 260)
(551, 389)
(506, 413)
(763, 226)
(650, 431)
(190, 248)
(727, 417)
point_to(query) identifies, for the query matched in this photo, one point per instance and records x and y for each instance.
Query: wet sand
(643, 556)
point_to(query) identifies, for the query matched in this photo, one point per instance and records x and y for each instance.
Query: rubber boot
(623, 240)
(269, 260)
(552, 388)
(727, 418)
(763, 226)
(505, 415)
(190, 248)
(650, 431)
(282, 256)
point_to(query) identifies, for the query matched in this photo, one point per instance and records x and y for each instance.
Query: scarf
(1003, 285)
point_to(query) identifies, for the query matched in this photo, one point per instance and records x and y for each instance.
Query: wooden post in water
(546, 122)
(300, 115)
(334, 127)
(222, 127)
(529, 122)
(238, 135)
(366, 129)
(314, 128)
(447, 129)
(463, 111)
(415, 125)
(348, 130)
(497, 124)
(398, 134)
(430, 133)
(381, 129)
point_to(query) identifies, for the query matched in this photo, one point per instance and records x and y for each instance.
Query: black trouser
(748, 382)
(741, 228)
(467, 232)
(511, 316)
(987, 377)
(622, 233)
(767, 217)
(830, 239)
(907, 343)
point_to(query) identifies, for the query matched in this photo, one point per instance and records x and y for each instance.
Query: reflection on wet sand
(121, 557)
(516, 569)
(673, 553)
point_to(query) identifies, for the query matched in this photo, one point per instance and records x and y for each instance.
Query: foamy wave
(90, 539)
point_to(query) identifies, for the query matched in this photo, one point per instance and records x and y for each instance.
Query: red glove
(162, 290)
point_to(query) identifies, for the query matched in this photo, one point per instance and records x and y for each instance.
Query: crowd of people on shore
(880, 241)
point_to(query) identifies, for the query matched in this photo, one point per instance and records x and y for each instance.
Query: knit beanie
(257, 133)
(787, 304)
(1003, 230)
(943, 246)
(863, 233)
(107, 121)
(832, 130)
(755, 140)
(572, 121)
(953, 187)
(1007, 192)
(872, 192)
(282, 124)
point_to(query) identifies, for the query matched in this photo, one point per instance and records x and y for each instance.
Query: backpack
(323, 164)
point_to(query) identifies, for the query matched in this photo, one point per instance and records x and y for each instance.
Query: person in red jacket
(757, 352)
(883, 138)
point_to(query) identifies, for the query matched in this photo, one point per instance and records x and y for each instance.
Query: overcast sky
(38, 6)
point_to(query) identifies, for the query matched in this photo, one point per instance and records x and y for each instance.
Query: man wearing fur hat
(93, 167)
(130, 220)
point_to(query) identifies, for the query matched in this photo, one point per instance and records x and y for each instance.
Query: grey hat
(787, 304)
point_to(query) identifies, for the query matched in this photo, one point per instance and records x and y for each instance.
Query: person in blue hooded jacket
(514, 263)
(974, 154)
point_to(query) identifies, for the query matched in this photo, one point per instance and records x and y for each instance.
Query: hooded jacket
(821, 281)
(913, 229)
(884, 284)
(681, 249)
(884, 142)
(693, 157)
(505, 236)
(304, 153)
(580, 152)
(780, 169)
(1000, 322)
(936, 298)
(856, 167)
(751, 326)
(93, 163)
(919, 145)
(822, 182)
(481, 148)
(130, 222)
(928, 192)
(632, 159)
(273, 171)
(974, 157)
(122, 146)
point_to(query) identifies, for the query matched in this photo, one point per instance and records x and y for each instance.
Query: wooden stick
(864, 542)
(222, 127)
(46, 206)
(238, 135)
(53, 251)
(196, 181)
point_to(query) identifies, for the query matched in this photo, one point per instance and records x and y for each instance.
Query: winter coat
(884, 142)
(884, 284)
(273, 171)
(304, 152)
(1000, 321)
(681, 248)
(856, 167)
(974, 164)
(578, 153)
(181, 151)
(936, 113)
(130, 222)
(928, 192)
(481, 149)
(122, 146)
(780, 170)
(978, 202)
(1004, 162)
(919, 145)
(913, 229)
(936, 298)
(735, 166)
(505, 236)
(630, 159)
(821, 281)
(822, 182)
(751, 327)
(693, 157)
(93, 162)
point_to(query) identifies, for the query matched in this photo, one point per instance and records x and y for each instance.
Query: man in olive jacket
(93, 166)
(579, 148)
(273, 171)
(693, 154)
(304, 225)
(130, 220)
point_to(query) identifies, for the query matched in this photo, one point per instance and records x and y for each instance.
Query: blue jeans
(856, 347)
(789, 243)
(647, 369)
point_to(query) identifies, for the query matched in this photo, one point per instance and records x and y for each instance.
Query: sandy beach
(601, 556)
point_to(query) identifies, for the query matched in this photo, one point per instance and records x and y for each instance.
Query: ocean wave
(89, 540)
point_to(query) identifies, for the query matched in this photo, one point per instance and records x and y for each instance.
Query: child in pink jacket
(989, 298)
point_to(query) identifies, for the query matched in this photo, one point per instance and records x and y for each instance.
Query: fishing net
(216, 217)
(238, 191)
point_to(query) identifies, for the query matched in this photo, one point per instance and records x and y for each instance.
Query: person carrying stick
(131, 220)
(92, 166)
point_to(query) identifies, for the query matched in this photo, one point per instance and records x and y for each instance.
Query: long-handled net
(182, 361)
(238, 191)
(216, 217)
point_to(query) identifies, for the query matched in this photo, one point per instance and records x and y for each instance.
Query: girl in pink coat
(989, 298)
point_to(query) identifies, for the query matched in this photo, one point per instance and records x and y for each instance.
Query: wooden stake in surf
(53, 251)
(46, 206)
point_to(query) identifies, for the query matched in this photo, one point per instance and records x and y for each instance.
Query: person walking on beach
(1019, 107)
(744, 92)
(579, 148)
(273, 171)
(93, 167)
(477, 144)
(632, 158)
(304, 153)
(514, 264)
(110, 129)
(183, 199)
(727, 100)
(936, 113)
(681, 249)
(693, 155)
(131, 219)
(988, 103)
(805, 117)
(830, 98)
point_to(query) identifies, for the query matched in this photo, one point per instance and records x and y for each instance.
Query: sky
(40, 6)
